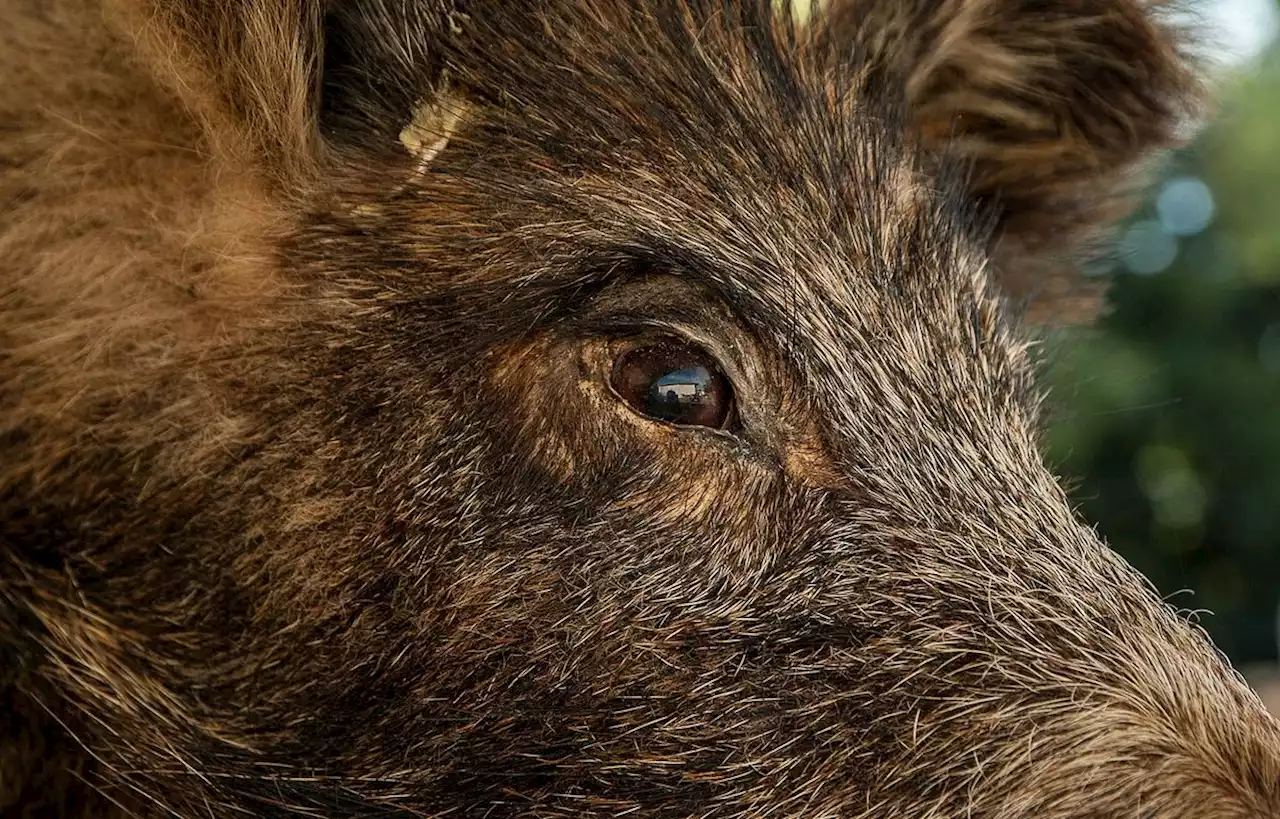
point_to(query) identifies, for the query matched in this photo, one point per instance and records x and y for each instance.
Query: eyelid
(638, 332)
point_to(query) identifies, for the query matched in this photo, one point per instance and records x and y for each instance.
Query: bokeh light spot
(1147, 248)
(1185, 206)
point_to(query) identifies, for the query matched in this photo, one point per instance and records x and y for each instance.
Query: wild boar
(558, 408)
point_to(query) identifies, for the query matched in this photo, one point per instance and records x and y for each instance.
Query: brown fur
(317, 501)
(1053, 107)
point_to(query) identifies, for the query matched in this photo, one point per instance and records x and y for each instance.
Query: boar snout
(1051, 682)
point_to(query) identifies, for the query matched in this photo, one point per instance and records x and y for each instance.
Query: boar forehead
(790, 186)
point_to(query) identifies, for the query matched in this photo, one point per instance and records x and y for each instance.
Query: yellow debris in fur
(433, 124)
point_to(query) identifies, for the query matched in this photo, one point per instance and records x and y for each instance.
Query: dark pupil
(674, 383)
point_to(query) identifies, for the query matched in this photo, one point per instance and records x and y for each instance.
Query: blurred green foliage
(1167, 414)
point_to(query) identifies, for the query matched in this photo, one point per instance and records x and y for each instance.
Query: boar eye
(674, 382)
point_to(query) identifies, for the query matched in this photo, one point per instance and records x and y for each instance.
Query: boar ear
(281, 84)
(1055, 104)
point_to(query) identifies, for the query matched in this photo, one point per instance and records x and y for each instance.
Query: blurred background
(1167, 413)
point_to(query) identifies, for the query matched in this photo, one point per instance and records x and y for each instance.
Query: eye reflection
(674, 382)
(675, 394)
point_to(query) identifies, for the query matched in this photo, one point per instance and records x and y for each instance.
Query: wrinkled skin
(319, 498)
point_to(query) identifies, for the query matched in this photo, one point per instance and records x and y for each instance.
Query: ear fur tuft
(1056, 104)
(248, 71)
(277, 82)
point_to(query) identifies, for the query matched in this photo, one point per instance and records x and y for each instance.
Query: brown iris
(674, 382)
